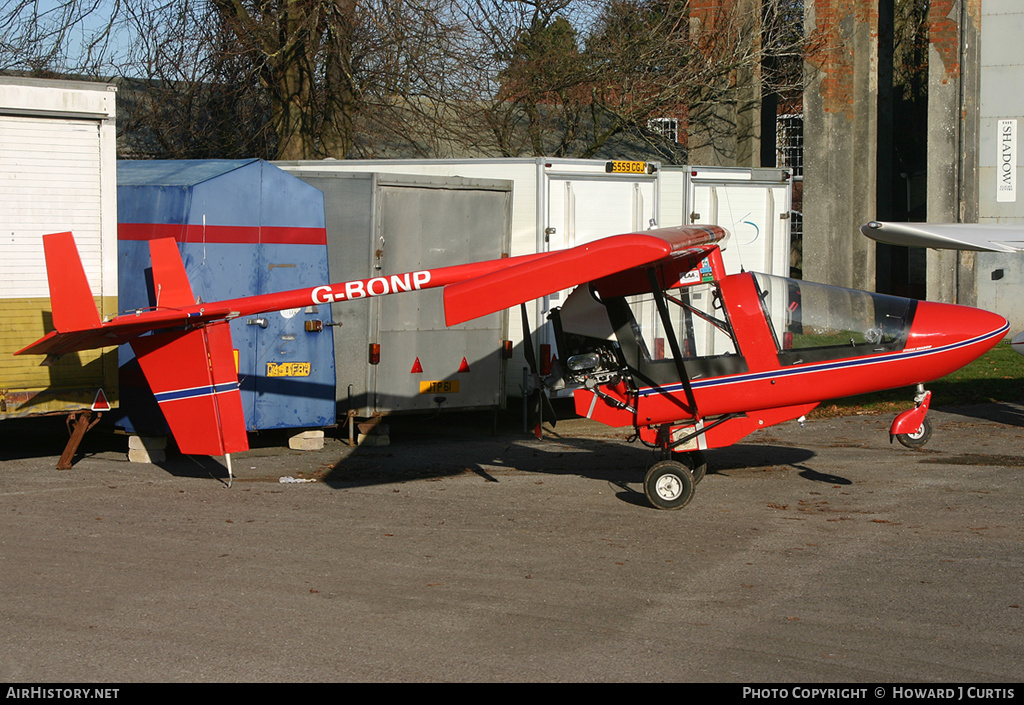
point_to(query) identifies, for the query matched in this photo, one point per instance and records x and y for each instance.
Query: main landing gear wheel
(919, 437)
(669, 485)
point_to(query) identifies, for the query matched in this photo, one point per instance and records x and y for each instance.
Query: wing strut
(673, 342)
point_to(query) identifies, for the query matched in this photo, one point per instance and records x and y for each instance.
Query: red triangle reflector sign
(100, 403)
(417, 368)
(464, 367)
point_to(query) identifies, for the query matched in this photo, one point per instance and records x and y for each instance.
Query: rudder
(169, 277)
(193, 376)
(70, 296)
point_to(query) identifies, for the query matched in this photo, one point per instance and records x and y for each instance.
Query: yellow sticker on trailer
(621, 167)
(444, 386)
(289, 369)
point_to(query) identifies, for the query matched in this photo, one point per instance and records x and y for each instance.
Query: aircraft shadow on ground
(426, 454)
(431, 454)
(492, 458)
(42, 436)
(602, 460)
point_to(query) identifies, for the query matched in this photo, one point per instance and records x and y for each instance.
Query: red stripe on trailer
(223, 234)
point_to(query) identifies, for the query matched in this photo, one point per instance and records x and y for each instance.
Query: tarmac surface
(468, 551)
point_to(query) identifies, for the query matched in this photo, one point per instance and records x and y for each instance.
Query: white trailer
(557, 203)
(753, 204)
(57, 173)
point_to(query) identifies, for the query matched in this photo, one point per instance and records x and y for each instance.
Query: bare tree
(59, 36)
(301, 52)
(294, 79)
(308, 69)
(522, 78)
(573, 78)
(187, 88)
(708, 65)
(327, 65)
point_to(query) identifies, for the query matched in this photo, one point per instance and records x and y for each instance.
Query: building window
(665, 127)
(789, 154)
(789, 143)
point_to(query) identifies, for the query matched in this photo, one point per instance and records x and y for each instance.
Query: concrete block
(147, 442)
(147, 449)
(307, 440)
(141, 455)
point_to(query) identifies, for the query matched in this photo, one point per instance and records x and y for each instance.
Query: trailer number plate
(289, 369)
(620, 167)
(445, 386)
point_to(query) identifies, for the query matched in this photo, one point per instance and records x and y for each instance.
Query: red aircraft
(654, 336)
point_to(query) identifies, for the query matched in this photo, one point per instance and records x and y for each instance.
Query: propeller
(537, 393)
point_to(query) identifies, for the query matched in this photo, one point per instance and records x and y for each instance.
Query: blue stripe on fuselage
(822, 367)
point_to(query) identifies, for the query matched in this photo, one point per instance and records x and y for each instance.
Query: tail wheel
(669, 485)
(919, 437)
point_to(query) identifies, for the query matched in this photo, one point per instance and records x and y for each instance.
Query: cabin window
(817, 322)
(698, 320)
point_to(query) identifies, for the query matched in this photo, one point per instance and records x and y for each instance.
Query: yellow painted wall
(70, 383)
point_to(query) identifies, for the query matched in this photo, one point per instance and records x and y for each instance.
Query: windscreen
(816, 321)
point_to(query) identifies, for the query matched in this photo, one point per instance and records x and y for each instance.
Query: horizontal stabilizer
(192, 374)
(539, 276)
(122, 329)
(982, 237)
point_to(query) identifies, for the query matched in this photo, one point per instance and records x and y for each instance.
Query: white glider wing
(984, 237)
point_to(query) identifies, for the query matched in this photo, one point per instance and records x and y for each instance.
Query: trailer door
(582, 208)
(754, 210)
(425, 365)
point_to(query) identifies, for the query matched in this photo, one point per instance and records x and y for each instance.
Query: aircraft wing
(524, 279)
(984, 237)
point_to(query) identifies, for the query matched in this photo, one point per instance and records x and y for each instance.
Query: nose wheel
(918, 438)
(912, 427)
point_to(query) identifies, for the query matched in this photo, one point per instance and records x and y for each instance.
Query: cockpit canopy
(808, 323)
(812, 322)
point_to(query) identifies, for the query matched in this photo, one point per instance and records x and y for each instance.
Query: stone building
(894, 132)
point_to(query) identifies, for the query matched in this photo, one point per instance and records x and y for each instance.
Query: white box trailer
(57, 173)
(394, 354)
(557, 203)
(752, 203)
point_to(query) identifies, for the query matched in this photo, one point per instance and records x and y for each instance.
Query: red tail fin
(70, 296)
(192, 373)
(169, 277)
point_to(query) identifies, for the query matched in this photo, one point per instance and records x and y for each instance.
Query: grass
(996, 376)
